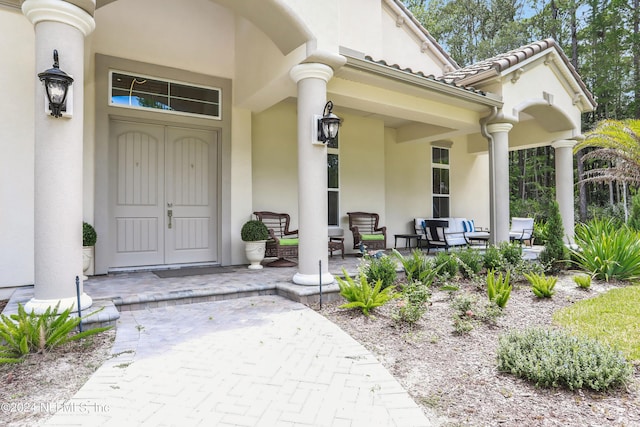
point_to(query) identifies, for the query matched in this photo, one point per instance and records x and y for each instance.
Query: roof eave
(487, 99)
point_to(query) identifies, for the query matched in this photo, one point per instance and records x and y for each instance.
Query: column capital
(499, 127)
(59, 11)
(311, 70)
(563, 143)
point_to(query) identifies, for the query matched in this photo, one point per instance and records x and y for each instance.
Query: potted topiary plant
(255, 234)
(89, 238)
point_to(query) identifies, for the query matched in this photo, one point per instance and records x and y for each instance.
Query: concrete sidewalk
(257, 361)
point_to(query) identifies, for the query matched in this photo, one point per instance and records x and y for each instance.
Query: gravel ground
(456, 377)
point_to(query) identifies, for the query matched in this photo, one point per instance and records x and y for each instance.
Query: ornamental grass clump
(541, 285)
(417, 267)
(24, 333)
(553, 358)
(493, 259)
(362, 294)
(498, 289)
(607, 252)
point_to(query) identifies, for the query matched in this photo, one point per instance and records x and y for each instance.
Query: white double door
(163, 183)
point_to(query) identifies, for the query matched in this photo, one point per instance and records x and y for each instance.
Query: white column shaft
(499, 181)
(312, 176)
(58, 165)
(564, 185)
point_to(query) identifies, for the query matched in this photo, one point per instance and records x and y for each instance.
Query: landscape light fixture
(56, 83)
(328, 125)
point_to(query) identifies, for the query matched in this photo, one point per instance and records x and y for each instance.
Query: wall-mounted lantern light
(56, 83)
(327, 125)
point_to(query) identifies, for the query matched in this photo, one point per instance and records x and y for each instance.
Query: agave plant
(498, 289)
(541, 285)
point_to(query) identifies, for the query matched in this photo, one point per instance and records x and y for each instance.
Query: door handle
(169, 213)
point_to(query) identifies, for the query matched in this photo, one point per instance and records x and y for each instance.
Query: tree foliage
(616, 156)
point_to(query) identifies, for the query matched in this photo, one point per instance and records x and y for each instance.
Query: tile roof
(512, 58)
(429, 76)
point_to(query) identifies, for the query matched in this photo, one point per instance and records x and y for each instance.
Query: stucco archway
(277, 20)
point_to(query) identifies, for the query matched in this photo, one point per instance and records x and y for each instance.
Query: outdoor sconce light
(328, 124)
(56, 83)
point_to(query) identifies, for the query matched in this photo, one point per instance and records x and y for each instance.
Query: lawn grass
(612, 318)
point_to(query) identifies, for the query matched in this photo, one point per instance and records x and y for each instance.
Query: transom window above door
(144, 92)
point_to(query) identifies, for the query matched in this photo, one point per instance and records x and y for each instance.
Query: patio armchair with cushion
(521, 230)
(365, 229)
(282, 243)
(448, 232)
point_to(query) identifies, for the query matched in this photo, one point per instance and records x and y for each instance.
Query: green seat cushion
(372, 236)
(288, 242)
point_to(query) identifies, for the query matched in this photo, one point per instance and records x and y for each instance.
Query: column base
(312, 279)
(39, 306)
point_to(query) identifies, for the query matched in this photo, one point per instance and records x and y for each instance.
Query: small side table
(336, 244)
(407, 239)
(336, 241)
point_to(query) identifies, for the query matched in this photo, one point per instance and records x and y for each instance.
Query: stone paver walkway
(257, 361)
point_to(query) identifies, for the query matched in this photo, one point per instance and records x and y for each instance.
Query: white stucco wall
(362, 169)
(408, 184)
(469, 184)
(275, 161)
(17, 82)
(196, 36)
(241, 180)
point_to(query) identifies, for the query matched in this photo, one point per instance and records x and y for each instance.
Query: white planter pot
(87, 257)
(255, 253)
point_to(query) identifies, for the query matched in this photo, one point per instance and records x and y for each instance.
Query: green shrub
(555, 253)
(363, 295)
(381, 269)
(541, 285)
(511, 252)
(25, 333)
(583, 281)
(413, 303)
(558, 359)
(89, 235)
(253, 231)
(498, 290)
(446, 265)
(469, 262)
(417, 267)
(608, 252)
(540, 232)
(493, 259)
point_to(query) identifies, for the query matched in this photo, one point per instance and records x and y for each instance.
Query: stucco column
(312, 176)
(499, 181)
(564, 185)
(58, 156)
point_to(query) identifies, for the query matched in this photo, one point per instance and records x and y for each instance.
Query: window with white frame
(333, 183)
(144, 92)
(440, 181)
